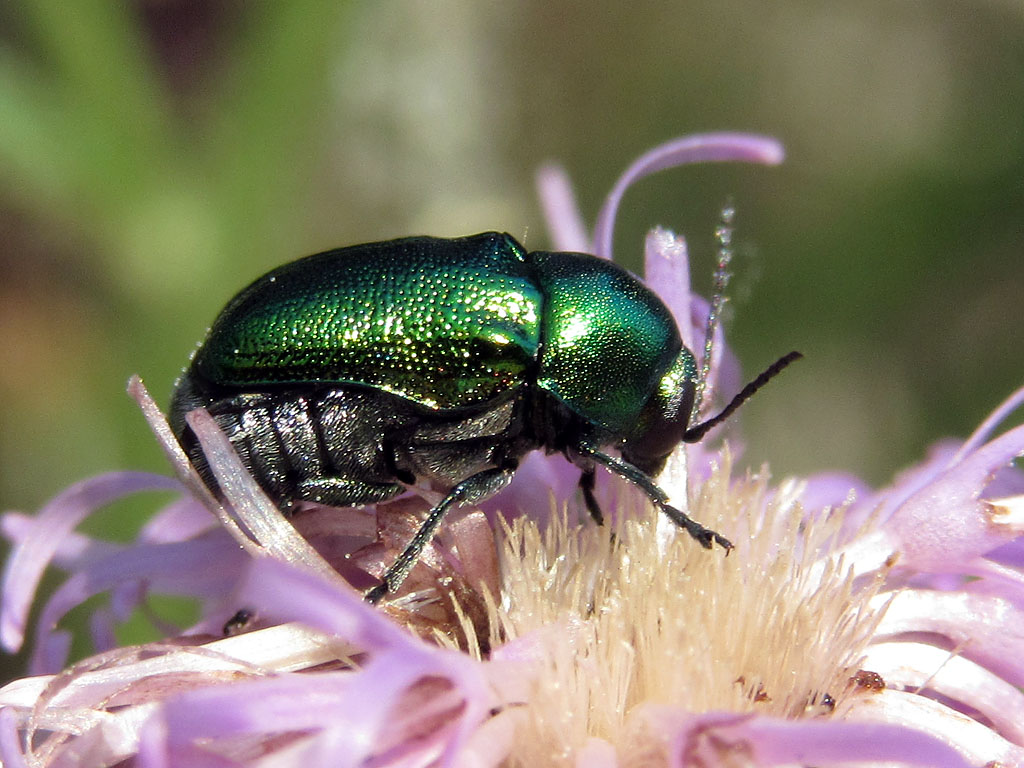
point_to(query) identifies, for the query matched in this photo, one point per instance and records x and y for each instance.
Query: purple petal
(277, 704)
(667, 269)
(259, 516)
(349, 717)
(782, 742)
(976, 743)
(290, 594)
(561, 213)
(765, 741)
(945, 455)
(699, 148)
(57, 518)
(101, 630)
(539, 482)
(184, 518)
(73, 550)
(986, 577)
(980, 576)
(356, 711)
(51, 651)
(832, 489)
(11, 754)
(204, 567)
(1011, 554)
(1008, 481)
(910, 480)
(1004, 409)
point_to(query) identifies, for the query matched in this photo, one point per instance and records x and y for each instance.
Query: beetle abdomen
(350, 445)
(443, 323)
(325, 446)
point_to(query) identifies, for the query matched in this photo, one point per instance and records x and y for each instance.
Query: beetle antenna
(695, 433)
(723, 236)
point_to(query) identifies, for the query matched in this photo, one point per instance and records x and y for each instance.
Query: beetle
(346, 376)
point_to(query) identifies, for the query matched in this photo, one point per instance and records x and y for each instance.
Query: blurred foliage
(155, 156)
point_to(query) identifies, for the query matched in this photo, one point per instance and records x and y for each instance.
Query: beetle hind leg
(473, 489)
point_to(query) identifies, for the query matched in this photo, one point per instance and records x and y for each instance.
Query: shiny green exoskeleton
(345, 376)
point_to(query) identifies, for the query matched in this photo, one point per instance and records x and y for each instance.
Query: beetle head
(664, 417)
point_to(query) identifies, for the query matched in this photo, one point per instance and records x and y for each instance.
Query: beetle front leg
(473, 489)
(703, 535)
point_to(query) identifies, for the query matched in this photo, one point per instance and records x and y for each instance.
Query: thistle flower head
(849, 626)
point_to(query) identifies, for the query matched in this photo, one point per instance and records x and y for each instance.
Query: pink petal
(945, 522)
(290, 594)
(994, 419)
(73, 550)
(182, 519)
(539, 482)
(597, 753)
(397, 657)
(914, 665)
(988, 630)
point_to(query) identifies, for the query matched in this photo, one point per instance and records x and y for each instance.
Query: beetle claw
(706, 537)
(724, 543)
(374, 595)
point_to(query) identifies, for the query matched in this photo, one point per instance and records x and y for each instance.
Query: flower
(848, 625)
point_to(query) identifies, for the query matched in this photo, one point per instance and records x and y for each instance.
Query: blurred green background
(157, 155)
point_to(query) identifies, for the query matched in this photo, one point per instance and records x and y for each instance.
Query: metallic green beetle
(344, 376)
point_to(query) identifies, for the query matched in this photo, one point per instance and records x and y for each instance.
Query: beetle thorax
(606, 340)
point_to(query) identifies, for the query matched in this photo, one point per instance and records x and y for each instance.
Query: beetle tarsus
(704, 536)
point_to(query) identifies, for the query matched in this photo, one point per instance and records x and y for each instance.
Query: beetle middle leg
(475, 488)
(587, 481)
